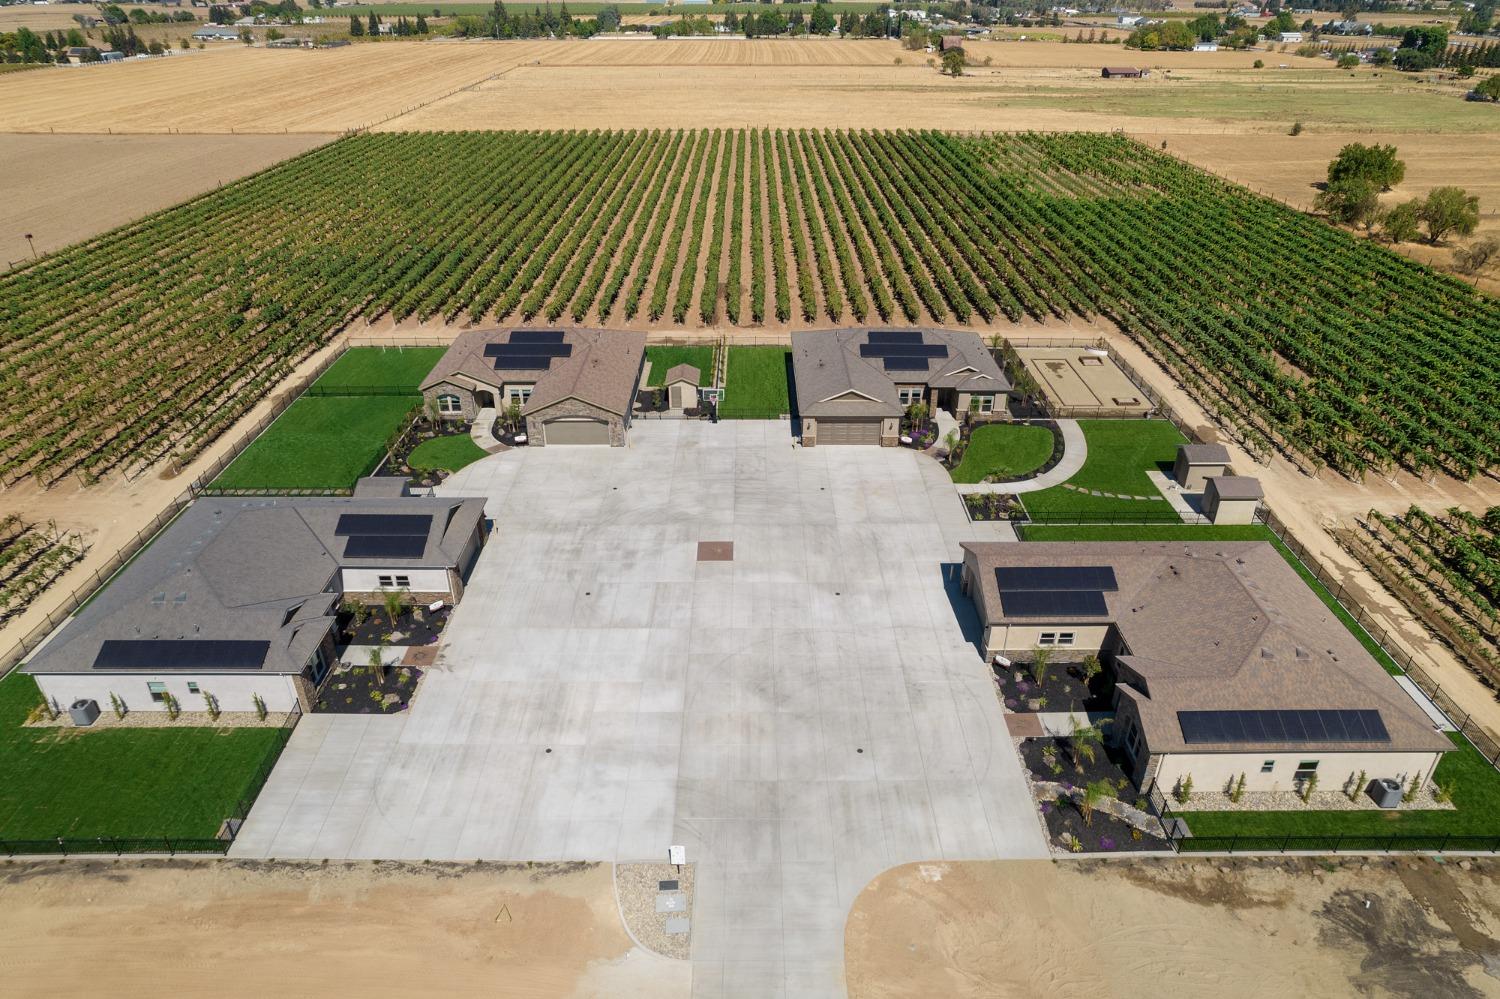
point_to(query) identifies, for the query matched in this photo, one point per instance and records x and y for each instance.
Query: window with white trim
(386, 581)
(1267, 766)
(909, 396)
(192, 687)
(981, 404)
(1057, 638)
(448, 403)
(403, 582)
(519, 393)
(158, 691)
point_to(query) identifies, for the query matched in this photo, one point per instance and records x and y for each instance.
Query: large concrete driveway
(801, 718)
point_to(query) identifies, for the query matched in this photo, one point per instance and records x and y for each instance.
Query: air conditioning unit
(1385, 792)
(84, 712)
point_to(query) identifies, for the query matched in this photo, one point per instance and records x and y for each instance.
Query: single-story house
(1205, 46)
(1354, 27)
(1224, 662)
(681, 383)
(574, 386)
(853, 385)
(1122, 72)
(216, 33)
(1232, 499)
(1289, 37)
(239, 598)
(1129, 20)
(1196, 463)
(111, 56)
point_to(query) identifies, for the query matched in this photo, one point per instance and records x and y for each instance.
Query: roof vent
(159, 600)
(1303, 653)
(179, 600)
(1266, 653)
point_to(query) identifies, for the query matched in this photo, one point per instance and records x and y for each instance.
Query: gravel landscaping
(637, 887)
(1063, 688)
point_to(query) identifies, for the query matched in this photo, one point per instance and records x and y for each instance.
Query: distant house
(111, 56)
(1130, 20)
(1289, 37)
(78, 53)
(1125, 72)
(952, 43)
(1348, 28)
(1206, 47)
(216, 33)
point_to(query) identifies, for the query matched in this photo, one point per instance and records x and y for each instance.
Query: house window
(981, 404)
(449, 404)
(158, 691)
(1305, 770)
(520, 393)
(404, 582)
(386, 581)
(1268, 766)
(192, 687)
(1057, 638)
(909, 396)
(1133, 739)
(394, 582)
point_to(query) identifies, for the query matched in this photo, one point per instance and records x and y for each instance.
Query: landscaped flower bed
(374, 627)
(399, 464)
(994, 506)
(923, 433)
(1078, 782)
(1063, 687)
(356, 690)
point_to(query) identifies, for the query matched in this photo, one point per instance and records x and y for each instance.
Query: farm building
(574, 386)
(216, 33)
(1205, 46)
(1290, 37)
(1123, 72)
(952, 42)
(1232, 499)
(239, 597)
(1348, 28)
(853, 385)
(1223, 661)
(1196, 463)
(681, 384)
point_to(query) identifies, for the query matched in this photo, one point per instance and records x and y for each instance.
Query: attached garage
(848, 431)
(575, 430)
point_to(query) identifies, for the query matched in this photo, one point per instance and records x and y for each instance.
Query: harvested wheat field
(227, 929)
(1405, 927)
(253, 90)
(65, 188)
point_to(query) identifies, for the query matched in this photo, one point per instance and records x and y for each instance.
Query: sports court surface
(1080, 381)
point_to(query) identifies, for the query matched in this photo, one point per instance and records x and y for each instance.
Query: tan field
(65, 188)
(1227, 928)
(60, 15)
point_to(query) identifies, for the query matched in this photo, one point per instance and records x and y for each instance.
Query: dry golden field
(65, 188)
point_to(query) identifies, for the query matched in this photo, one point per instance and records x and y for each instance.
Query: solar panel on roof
(1330, 725)
(536, 336)
(183, 653)
(1056, 577)
(529, 350)
(894, 336)
(902, 350)
(1053, 603)
(907, 363)
(385, 546)
(523, 363)
(383, 524)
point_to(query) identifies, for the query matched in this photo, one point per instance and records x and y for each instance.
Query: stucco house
(574, 386)
(681, 383)
(853, 385)
(239, 598)
(1224, 662)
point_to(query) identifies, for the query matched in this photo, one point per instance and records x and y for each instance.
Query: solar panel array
(384, 535)
(1282, 726)
(185, 653)
(529, 350)
(1055, 591)
(901, 350)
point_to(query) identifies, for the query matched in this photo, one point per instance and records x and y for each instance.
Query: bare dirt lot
(221, 928)
(1227, 928)
(65, 188)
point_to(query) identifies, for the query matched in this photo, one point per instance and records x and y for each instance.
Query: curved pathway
(1075, 450)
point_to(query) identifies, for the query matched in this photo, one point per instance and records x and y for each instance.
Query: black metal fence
(170, 845)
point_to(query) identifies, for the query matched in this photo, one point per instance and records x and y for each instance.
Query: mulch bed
(1108, 764)
(993, 506)
(1063, 690)
(408, 630)
(1106, 834)
(1063, 818)
(922, 436)
(353, 690)
(397, 468)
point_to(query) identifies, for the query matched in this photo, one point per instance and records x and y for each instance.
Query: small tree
(1402, 224)
(391, 600)
(1353, 200)
(377, 664)
(212, 704)
(1238, 791)
(950, 441)
(1309, 786)
(1041, 661)
(117, 704)
(1449, 210)
(173, 708)
(1084, 743)
(1092, 667)
(260, 706)
(953, 62)
(1296, 128)
(1183, 792)
(1359, 782)
(1094, 793)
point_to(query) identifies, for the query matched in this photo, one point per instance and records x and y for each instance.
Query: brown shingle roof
(601, 371)
(1219, 626)
(682, 373)
(832, 380)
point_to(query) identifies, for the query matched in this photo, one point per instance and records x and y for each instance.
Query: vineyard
(1447, 569)
(149, 341)
(31, 559)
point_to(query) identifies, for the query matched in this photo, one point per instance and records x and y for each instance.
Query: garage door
(848, 431)
(575, 432)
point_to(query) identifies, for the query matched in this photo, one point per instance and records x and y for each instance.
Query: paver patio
(802, 717)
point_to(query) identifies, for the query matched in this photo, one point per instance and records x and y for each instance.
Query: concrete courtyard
(801, 717)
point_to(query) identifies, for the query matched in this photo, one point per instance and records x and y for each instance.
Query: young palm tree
(1093, 794)
(1041, 661)
(1085, 742)
(392, 601)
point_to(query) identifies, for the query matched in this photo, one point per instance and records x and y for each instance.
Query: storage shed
(1196, 463)
(681, 384)
(1232, 499)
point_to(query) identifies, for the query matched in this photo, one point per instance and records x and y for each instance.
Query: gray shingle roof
(1204, 454)
(1220, 626)
(833, 381)
(1236, 487)
(246, 569)
(682, 373)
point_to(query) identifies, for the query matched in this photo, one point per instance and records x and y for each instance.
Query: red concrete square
(716, 551)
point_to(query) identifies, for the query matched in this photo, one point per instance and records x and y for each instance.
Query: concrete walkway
(482, 433)
(945, 422)
(1187, 505)
(1075, 450)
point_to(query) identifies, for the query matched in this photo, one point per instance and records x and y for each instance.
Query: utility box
(84, 712)
(1385, 792)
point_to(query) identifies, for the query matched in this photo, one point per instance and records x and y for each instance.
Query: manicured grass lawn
(320, 442)
(381, 367)
(756, 386)
(1208, 532)
(450, 453)
(1121, 452)
(664, 359)
(177, 782)
(1476, 795)
(1007, 450)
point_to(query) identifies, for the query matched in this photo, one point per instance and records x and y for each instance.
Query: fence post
(168, 844)
(1286, 842)
(1336, 841)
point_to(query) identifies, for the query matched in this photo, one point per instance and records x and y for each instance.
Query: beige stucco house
(853, 385)
(574, 386)
(1224, 662)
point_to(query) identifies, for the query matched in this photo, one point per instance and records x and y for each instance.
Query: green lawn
(449, 453)
(1189, 532)
(1004, 449)
(1476, 795)
(320, 442)
(1120, 454)
(173, 782)
(756, 383)
(664, 359)
(381, 367)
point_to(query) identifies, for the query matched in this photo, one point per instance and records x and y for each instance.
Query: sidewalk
(1075, 451)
